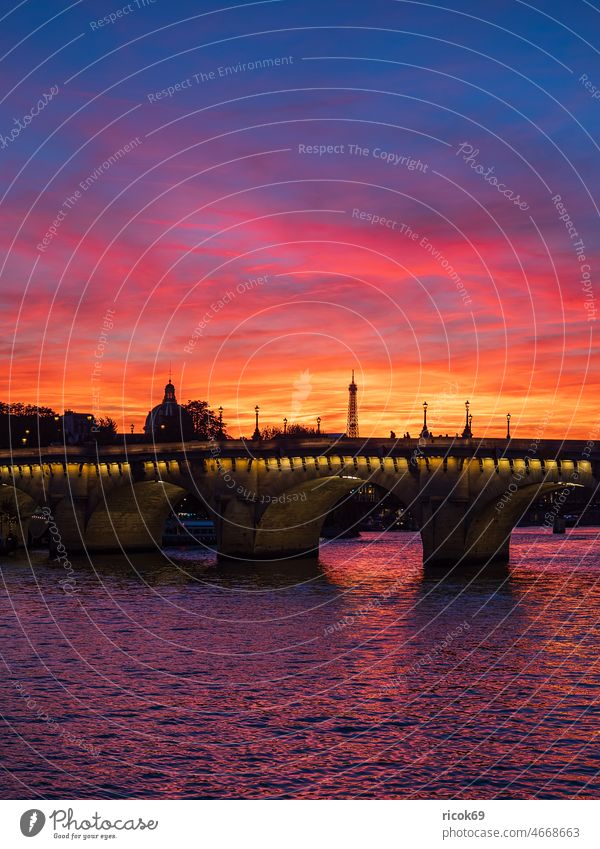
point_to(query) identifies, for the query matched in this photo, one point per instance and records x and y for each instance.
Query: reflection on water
(359, 675)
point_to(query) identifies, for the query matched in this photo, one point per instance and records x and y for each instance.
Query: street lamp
(256, 434)
(131, 427)
(508, 426)
(425, 432)
(319, 425)
(221, 422)
(467, 428)
(285, 426)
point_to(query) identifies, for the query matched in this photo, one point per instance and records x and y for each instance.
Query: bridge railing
(436, 446)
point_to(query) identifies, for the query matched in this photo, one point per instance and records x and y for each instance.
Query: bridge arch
(132, 517)
(489, 532)
(291, 523)
(16, 509)
(478, 532)
(452, 531)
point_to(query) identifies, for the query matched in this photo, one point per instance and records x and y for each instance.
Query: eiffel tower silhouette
(352, 427)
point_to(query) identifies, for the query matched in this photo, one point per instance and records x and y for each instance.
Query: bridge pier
(69, 518)
(452, 535)
(235, 526)
(281, 524)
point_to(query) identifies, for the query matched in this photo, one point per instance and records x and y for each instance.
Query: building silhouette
(77, 427)
(169, 421)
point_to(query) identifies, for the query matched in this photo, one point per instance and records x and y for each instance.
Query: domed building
(169, 421)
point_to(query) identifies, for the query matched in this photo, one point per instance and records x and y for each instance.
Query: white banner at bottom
(266, 824)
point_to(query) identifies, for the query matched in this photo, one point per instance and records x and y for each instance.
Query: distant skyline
(270, 196)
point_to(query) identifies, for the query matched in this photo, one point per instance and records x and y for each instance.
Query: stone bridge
(269, 499)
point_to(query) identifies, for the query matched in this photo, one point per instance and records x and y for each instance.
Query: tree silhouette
(206, 422)
(105, 431)
(293, 431)
(30, 422)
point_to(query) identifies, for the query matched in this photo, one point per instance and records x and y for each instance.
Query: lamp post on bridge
(285, 426)
(256, 434)
(466, 434)
(424, 431)
(508, 426)
(220, 422)
(318, 425)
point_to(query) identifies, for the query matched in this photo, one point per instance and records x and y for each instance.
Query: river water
(362, 676)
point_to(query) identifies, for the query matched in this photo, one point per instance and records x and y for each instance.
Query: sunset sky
(257, 267)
